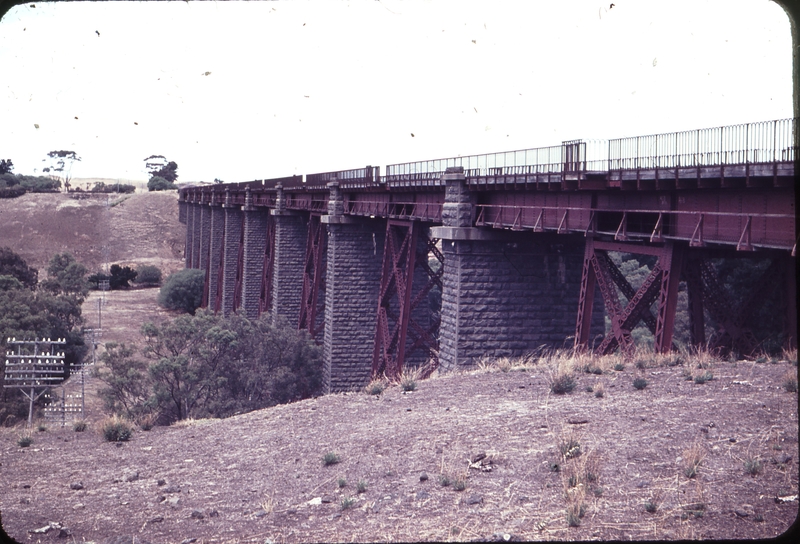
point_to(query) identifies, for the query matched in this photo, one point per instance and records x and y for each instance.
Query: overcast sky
(253, 90)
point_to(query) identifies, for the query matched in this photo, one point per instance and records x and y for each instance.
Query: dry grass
(692, 459)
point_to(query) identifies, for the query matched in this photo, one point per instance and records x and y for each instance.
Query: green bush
(562, 383)
(330, 458)
(116, 429)
(148, 274)
(12, 192)
(79, 426)
(24, 441)
(39, 184)
(157, 183)
(183, 291)
(640, 383)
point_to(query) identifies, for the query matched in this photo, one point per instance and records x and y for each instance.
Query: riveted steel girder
(311, 303)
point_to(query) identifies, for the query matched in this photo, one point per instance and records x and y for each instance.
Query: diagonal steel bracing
(265, 295)
(660, 285)
(395, 324)
(311, 303)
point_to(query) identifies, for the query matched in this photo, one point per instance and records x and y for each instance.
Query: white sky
(312, 86)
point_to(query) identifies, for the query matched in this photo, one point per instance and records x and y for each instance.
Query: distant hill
(98, 230)
(88, 183)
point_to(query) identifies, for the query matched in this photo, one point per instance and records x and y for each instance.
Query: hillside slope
(260, 477)
(98, 230)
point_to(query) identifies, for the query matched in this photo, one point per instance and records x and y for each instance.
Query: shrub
(599, 390)
(342, 483)
(24, 441)
(569, 447)
(148, 274)
(619, 367)
(116, 429)
(157, 183)
(347, 502)
(361, 487)
(650, 507)
(408, 380)
(753, 466)
(183, 291)
(41, 427)
(79, 426)
(790, 382)
(459, 485)
(562, 383)
(12, 192)
(703, 378)
(330, 458)
(375, 387)
(640, 383)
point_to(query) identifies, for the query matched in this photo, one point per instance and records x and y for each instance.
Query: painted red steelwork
(237, 290)
(265, 295)
(395, 324)
(312, 276)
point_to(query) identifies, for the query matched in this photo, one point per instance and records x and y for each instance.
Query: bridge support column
(188, 214)
(504, 293)
(233, 257)
(352, 284)
(291, 231)
(202, 241)
(216, 254)
(257, 262)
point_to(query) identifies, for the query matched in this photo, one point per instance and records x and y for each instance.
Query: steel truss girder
(310, 301)
(220, 273)
(661, 284)
(734, 332)
(265, 294)
(396, 305)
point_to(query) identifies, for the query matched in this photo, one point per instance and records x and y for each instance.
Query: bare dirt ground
(260, 477)
(98, 230)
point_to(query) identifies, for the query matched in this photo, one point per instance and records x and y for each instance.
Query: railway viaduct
(518, 244)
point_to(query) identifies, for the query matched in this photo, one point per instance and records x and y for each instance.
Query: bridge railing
(369, 175)
(575, 156)
(425, 211)
(760, 142)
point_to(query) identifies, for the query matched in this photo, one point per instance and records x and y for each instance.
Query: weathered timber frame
(394, 326)
(661, 284)
(265, 295)
(312, 276)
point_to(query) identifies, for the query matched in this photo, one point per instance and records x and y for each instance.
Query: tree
(15, 266)
(158, 166)
(183, 291)
(157, 183)
(67, 276)
(120, 276)
(148, 274)
(6, 166)
(129, 388)
(61, 161)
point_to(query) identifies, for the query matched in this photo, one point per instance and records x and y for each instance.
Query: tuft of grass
(562, 383)
(361, 486)
(640, 383)
(569, 446)
(599, 390)
(445, 480)
(575, 513)
(619, 367)
(650, 507)
(376, 387)
(116, 429)
(459, 485)
(790, 382)
(41, 427)
(342, 483)
(692, 458)
(147, 421)
(706, 376)
(347, 502)
(24, 441)
(408, 380)
(753, 466)
(79, 426)
(641, 364)
(330, 458)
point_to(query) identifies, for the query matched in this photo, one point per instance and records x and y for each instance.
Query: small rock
(173, 502)
(326, 499)
(172, 489)
(213, 514)
(131, 476)
(474, 499)
(25, 500)
(26, 486)
(119, 444)
(197, 514)
(423, 477)
(731, 439)
(291, 511)
(64, 532)
(188, 541)
(334, 516)
(477, 457)
(79, 506)
(740, 513)
(157, 519)
(161, 498)
(76, 486)
(161, 482)
(316, 501)
(260, 514)
(423, 495)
